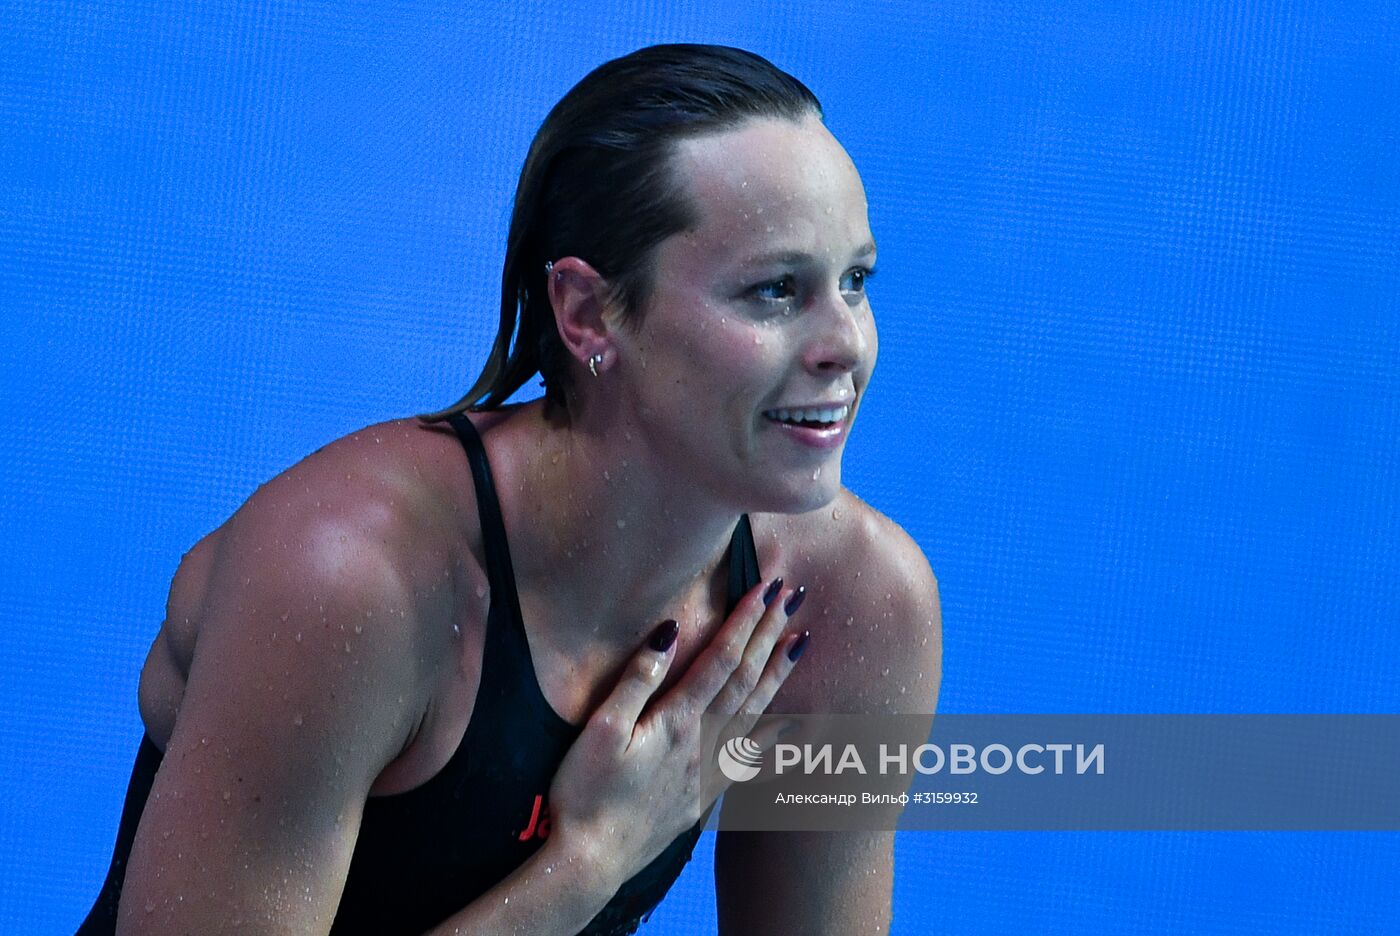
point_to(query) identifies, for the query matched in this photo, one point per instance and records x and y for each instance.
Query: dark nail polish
(664, 636)
(772, 591)
(796, 600)
(800, 646)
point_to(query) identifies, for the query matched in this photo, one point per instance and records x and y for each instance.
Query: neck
(605, 536)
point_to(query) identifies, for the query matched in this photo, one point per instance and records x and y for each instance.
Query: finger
(725, 653)
(639, 681)
(772, 730)
(757, 743)
(780, 665)
(759, 655)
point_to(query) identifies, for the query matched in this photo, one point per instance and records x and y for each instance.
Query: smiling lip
(823, 438)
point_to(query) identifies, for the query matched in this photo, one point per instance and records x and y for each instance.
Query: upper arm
(841, 882)
(804, 883)
(901, 595)
(302, 686)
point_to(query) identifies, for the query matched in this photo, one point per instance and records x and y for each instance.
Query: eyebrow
(797, 257)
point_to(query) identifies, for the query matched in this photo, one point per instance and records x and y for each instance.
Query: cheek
(741, 369)
(872, 343)
(751, 359)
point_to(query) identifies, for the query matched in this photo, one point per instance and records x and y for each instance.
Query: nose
(838, 343)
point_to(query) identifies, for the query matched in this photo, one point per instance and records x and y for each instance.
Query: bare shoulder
(368, 523)
(301, 649)
(873, 608)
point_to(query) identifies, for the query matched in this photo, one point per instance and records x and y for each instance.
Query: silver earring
(593, 363)
(548, 267)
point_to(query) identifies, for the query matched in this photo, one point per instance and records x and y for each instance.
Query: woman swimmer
(376, 718)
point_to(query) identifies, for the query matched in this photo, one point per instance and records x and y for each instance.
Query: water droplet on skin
(836, 515)
(816, 474)
(296, 720)
(227, 796)
(298, 636)
(885, 671)
(481, 591)
(150, 907)
(456, 629)
(621, 523)
(359, 629)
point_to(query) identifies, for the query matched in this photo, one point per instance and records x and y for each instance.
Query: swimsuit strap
(743, 555)
(743, 562)
(499, 571)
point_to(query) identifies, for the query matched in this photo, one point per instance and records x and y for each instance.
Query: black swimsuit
(424, 854)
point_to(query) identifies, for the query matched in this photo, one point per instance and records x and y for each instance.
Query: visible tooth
(835, 414)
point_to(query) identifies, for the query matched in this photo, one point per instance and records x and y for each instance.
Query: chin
(803, 495)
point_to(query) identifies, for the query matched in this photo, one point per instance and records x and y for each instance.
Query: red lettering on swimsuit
(539, 821)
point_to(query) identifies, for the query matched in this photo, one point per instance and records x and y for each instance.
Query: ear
(581, 299)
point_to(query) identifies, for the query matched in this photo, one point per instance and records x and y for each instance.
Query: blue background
(1137, 395)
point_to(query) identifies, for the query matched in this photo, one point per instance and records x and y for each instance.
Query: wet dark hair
(597, 185)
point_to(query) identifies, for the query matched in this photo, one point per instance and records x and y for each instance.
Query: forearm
(804, 883)
(556, 892)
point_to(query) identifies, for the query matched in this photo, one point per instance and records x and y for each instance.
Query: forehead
(772, 184)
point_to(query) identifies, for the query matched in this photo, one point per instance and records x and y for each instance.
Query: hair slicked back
(597, 185)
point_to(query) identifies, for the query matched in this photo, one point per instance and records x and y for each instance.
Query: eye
(857, 279)
(778, 290)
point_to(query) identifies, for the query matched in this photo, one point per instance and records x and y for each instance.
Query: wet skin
(617, 519)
